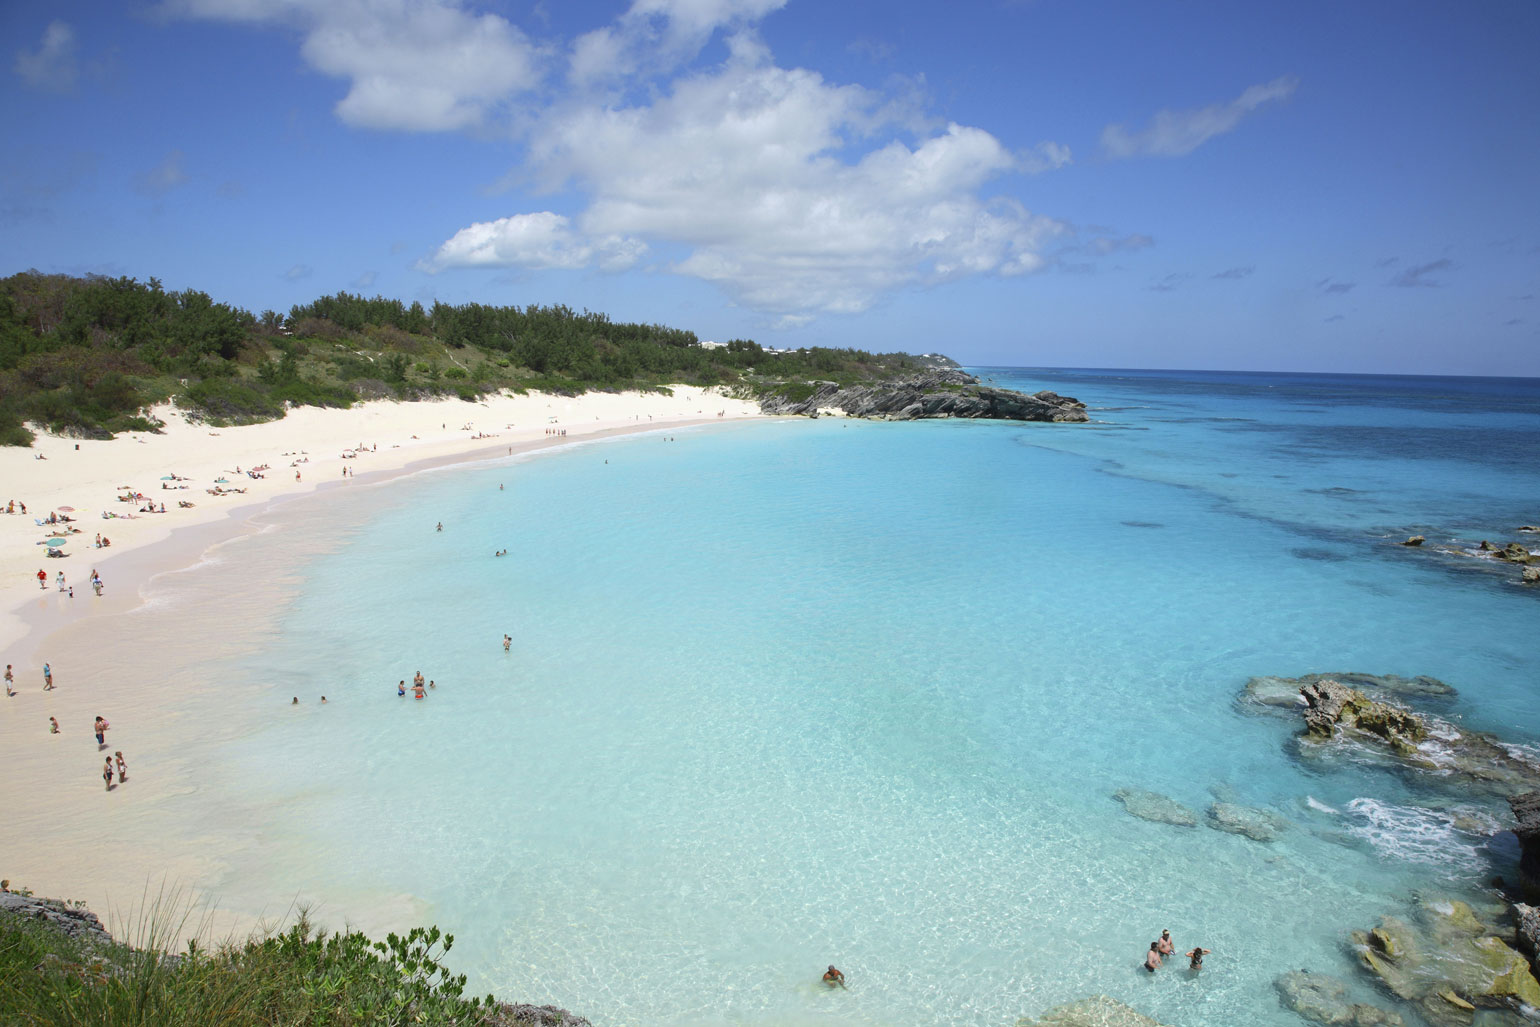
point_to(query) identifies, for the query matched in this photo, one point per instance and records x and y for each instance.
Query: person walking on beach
(10, 679)
(1152, 957)
(47, 678)
(1196, 958)
(107, 773)
(122, 768)
(101, 730)
(42, 579)
(833, 978)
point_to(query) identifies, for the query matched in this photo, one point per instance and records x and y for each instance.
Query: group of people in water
(417, 686)
(1163, 946)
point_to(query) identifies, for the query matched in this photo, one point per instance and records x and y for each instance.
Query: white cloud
(298, 272)
(659, 34)
(52, 66)
(163, 177)
(1045, 156)
(740, 167)
(539, 241)
(420, 65)
(1175, 133)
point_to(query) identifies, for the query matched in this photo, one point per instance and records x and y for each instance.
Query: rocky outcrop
(1450, 963)
(1527, 930)
(944, 393)
(1322, 998)
(72, 921)
(1450, 756)
(1257, 824)
(1513, 552)
(1415, 540)
(1096, 1011)
(1526, 812)
(1153, 806)
(1331, 707)
(524, 1015)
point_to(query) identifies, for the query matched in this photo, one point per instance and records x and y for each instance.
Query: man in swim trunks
(1164, 945)
(1152, 957)
(1196, 957)
(833, 977)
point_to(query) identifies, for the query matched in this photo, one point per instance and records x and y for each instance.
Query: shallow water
(791, 693)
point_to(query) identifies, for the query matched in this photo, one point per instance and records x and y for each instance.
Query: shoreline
(127, 656)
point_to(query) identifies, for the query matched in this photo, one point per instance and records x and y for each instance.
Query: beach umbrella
(55, 543)
(67, 509)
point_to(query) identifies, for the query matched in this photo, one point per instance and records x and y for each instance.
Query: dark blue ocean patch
(1323, 555)
(1143, 524)
(1337, 492)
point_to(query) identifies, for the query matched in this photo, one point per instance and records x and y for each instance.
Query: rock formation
(77, 923)
(1322, 998)
(1451, 756)
(1284, 693)
(1415, 540)
(1450, 964)
(1527, 929)
(944, 393)
(1096, 1011)
(1153, 806)
(1526, 811)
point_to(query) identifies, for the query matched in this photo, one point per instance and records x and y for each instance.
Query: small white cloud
(539, 241)
(1176, 133)
(1105, 244)
(162, 178)
(418, 65)
(299, 271)
(52, 65)
(1045, 156)
(366, 280)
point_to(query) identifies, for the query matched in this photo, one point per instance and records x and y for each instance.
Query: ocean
(790, 693)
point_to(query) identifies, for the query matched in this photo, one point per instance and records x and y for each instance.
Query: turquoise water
(791, 693)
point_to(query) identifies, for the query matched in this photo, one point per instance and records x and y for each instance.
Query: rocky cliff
(944, 393)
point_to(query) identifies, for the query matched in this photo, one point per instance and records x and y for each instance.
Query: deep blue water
(790, 693)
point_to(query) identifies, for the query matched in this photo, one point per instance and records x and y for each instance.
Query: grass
(297, 977)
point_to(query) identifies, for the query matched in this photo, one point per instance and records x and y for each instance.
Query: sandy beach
(67, 836)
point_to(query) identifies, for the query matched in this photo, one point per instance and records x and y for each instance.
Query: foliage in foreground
(86, 356)
(300, 977)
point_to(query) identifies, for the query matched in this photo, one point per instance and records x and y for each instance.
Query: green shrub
(228, 401)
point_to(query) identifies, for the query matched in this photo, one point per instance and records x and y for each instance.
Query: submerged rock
(1152, 806)
(1257, 824)
(1282, 693)
(1322, 998)
(1096, 1011)
(1450, 964)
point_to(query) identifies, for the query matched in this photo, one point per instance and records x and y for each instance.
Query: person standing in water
(1152, 957)
(1196, 958)
(1164, 945)
(507, 641)
(833, 978)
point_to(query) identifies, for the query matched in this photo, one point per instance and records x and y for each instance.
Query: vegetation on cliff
(86, 356)
(69, 972)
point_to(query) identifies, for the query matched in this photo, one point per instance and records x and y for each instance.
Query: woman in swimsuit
(1196, 955)
(122, 768)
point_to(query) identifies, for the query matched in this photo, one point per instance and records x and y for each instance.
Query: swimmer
(1164, 945)
(1152, 957)
(417, 679)
(432, 685)
(323, 700)
(833, 977)
(417, 692)
(507, 641)
(401, 687)
(1196, 958)
(294, 701)
(440, 526)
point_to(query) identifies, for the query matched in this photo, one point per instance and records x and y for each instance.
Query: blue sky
(1301, 186)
